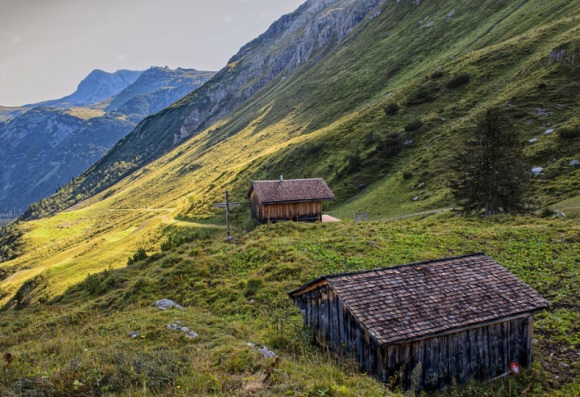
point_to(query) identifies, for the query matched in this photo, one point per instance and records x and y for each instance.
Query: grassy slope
(103, 231)
(306, 126)
(212, 279)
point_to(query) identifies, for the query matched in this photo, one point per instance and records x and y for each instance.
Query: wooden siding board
(427, 364)
(309, 210)
(530, 338)
(424, 299)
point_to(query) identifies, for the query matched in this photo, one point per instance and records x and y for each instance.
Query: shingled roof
(291, 190)
(413, 301)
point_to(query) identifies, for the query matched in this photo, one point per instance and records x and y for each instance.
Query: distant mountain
(154, 90)
(96, 87)
(46, 147)
(330, 67)
(8, 113)
(42, 147)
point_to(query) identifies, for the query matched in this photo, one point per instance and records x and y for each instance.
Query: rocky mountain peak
(289, 43)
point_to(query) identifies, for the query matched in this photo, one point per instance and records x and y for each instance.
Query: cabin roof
(291, 190)
(414, 301)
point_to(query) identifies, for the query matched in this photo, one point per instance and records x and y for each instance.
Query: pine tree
(490, 172)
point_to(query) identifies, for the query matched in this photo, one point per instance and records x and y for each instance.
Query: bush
(391, 108)
(407, 175)
(369, 139)
(569, 132)
(458, 80)
(425, 93)
(140, 255)
(252, 286)
(547, 213)
(437, 74)
(413, 125)
(354, 161)
(391, 145)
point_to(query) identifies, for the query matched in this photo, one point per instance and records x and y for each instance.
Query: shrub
(391, 108)
(252, 286)
(354, 161)
(369, 139)
(391, 145)
(437, 74)
(458, 80)
(407, 175)
(140, 255)
(413, 125)
(423, 94)
(547, 213)
(569, 132)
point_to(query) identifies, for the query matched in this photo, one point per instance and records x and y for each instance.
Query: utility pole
(227, 206)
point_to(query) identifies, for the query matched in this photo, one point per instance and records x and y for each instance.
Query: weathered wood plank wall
(287, 211)
(428, 364)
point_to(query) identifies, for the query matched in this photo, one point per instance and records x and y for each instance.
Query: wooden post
(227, 206)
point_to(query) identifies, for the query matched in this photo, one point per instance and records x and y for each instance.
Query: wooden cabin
(426, 325)
(289, 199)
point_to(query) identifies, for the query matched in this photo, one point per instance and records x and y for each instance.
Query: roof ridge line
(412, 264)
(331, 276)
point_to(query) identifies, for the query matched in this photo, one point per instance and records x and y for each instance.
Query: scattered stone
(450, 14)
(537, 171)
(408, 142)
(415, 198)
(267, 353)
(250, 344)
(542, 112)
(422, 184)
(134, 334)
(549, 131)
(165, 304)
(176, 327)
(575, 163)
(443, 119)
(430, 24)
(533, 140)
(372, 244)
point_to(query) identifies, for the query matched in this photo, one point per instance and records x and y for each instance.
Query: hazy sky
(48, 46)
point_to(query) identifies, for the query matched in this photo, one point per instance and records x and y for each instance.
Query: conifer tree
(490, 174)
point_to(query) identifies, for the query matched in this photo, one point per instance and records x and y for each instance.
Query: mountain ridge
(96, 87)
(45, 146)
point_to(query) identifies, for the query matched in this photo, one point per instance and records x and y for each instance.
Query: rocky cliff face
(290, 42)
(294, 40)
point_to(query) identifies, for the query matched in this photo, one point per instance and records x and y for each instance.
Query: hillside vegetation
(235, 293)
(378, 114)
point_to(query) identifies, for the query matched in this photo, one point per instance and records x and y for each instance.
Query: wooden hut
(426, 325)
(288, 199)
